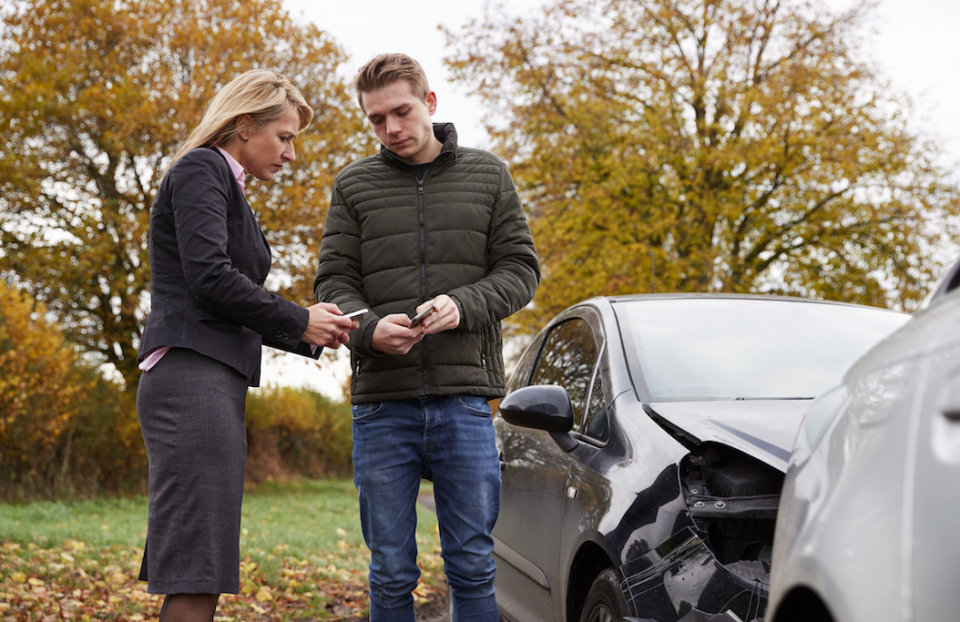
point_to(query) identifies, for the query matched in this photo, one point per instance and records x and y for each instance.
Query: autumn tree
(41, 385)
(729, 145)
(95, 96)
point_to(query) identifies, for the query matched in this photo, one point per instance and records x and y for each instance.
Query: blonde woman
(201, 344)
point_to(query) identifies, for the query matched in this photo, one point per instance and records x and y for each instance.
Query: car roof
(625, 298)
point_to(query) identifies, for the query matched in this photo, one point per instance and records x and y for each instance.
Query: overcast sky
(915, 45)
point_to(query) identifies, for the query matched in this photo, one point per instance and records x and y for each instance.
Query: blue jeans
(396, 443)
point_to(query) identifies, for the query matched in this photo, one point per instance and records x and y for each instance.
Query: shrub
(42, 386)
(292, 431)
(66, 430)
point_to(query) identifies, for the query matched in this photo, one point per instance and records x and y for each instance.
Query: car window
(568, 359)
(946, 286)
(521, 374)
(722, 348)
(596, 417)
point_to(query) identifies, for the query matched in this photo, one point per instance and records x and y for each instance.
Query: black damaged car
(644, 441)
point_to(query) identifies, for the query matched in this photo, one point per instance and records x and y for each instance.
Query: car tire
(605, 600)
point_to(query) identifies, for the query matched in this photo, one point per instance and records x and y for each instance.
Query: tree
(95, 95)
(738, 145)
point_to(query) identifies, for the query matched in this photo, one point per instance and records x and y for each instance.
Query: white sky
(913, 44)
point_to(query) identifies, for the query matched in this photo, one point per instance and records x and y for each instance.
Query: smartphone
(415, 320)
(357, 315)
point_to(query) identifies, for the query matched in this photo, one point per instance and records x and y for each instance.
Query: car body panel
(763, 428)
(868, 512)
(935, 497)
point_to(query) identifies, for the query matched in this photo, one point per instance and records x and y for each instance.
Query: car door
(527, 534)
(932, 556)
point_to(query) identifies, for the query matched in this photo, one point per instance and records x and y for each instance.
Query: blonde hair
(264, 95)
(385, 69)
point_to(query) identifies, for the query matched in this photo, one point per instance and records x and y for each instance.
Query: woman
(201, 344)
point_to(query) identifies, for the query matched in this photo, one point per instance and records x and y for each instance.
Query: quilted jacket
(393, 240)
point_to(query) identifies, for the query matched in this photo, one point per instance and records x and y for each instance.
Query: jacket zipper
(423, 278)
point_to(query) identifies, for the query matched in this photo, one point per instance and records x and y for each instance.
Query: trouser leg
(461, 452)
(387, 467)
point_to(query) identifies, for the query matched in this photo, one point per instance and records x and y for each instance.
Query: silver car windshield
(716, 348)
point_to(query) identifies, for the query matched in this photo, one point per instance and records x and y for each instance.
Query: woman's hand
(327, 327)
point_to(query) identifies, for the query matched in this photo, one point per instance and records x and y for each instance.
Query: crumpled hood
(764, 429)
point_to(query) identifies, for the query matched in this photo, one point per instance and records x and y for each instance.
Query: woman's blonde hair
(264, 95)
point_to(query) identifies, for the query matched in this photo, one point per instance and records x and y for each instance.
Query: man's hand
(445, 316)
(327, 327)
(393, 334)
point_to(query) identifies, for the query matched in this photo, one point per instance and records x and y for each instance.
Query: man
(425, 223)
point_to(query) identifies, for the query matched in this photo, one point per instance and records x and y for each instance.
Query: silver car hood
(764, 429)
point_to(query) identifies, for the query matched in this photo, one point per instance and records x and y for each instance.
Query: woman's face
(266, 150)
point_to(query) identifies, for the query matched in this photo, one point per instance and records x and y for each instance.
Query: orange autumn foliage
(95, 97)
(41, 388)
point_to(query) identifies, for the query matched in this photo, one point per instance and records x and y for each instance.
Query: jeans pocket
(365, 411)
(475, 405)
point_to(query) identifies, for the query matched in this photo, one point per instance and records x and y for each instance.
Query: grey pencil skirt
(191, 411)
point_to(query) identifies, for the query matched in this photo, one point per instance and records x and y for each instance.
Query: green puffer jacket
(393, 241)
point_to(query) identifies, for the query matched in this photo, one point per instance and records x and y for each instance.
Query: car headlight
(822, 412)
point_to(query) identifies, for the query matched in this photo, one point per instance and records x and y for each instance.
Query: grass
(303, 557)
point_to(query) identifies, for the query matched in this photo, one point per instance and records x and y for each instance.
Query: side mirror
(542, 407)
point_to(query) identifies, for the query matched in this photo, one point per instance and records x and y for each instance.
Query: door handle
(949, 399)
(945, 440)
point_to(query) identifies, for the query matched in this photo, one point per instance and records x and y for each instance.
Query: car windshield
(719, 348)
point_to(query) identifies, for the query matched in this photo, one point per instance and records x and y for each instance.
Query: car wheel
(605, 601)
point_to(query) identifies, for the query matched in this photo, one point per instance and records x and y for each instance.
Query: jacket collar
(446, 133)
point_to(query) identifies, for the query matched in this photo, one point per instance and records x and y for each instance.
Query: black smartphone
(415, 320)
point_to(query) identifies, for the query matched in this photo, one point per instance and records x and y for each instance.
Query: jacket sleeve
(302, 348)
(200, 204)
(513, 270)
(339, 277)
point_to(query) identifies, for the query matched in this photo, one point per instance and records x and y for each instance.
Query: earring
(244, 137)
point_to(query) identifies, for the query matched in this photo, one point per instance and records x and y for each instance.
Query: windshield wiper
(743, 399)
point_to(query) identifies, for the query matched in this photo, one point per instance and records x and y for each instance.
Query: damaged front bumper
(688, 584)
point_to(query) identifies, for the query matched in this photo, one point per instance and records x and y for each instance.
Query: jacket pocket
(483, 347)
(206, 315)
(355, 376)
(215, 321)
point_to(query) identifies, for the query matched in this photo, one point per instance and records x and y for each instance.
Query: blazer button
(280, 334)
(285, 336)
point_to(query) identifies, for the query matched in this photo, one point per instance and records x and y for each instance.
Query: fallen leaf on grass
(264, 595)
(100, 584)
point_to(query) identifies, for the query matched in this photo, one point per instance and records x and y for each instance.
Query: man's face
(401, 121)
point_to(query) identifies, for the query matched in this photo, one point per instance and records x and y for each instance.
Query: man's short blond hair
(385, 69)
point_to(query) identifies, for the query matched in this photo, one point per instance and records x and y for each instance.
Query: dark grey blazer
(208, 262)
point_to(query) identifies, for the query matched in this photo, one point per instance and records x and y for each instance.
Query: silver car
(868, 523)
